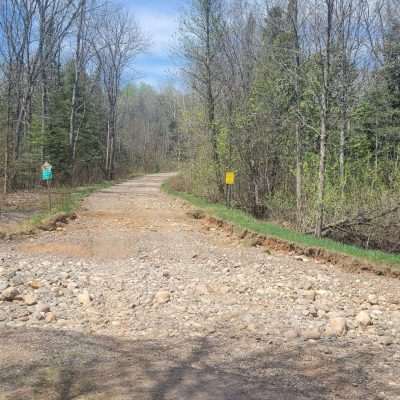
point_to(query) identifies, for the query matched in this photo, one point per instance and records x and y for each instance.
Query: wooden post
(47, 176)
(229, 182)
(49, 194)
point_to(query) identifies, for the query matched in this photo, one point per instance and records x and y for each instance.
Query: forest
(301, 98)
(67, 94)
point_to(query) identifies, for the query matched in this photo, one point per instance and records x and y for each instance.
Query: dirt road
(135, 300)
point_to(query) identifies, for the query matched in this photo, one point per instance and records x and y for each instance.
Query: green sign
(47, 172)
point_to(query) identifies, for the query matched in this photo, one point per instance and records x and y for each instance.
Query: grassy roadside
(246, 221)
(71, 202)
(71, 199)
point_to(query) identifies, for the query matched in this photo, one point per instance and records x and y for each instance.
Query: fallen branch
(359, 220)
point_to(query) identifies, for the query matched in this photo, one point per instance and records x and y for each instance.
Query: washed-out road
(136, 300)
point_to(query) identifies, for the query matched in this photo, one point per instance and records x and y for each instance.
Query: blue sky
(159, 20)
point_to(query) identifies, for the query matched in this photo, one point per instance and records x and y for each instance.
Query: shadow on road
(59, 365)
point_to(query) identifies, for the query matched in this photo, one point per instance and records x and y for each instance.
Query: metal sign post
(229, 182)
(47, 176)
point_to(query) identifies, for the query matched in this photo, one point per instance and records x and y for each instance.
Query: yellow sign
(230, 178)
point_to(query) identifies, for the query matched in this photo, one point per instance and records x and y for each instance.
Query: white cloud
(159, 24)
(160, 29)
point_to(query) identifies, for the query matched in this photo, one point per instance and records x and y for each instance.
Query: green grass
(246, 221)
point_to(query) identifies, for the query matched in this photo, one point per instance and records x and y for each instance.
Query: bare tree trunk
(107, 147)
(343, 128)
(211, 99)
(45, 107)
(376, 147)
(111, 169)
(299, 176)
(6, 151)
(145, 147)
(321, 175)
(112, 158)
(43, 28)
(78, 66)
(294, 20)
(7, 140)
(344, 24)
(324, 114)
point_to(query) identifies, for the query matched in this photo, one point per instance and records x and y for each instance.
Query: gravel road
(137, 300)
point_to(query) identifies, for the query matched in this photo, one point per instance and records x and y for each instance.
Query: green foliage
(56, 146)
(256, 135)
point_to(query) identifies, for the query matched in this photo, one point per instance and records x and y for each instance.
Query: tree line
(302, 99)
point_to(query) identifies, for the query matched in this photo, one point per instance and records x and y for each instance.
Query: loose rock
(386, 340)
(372, 299)
(363, 319)
(162, 297)
(3, 285)
(38, 316)
(35, 284)
(336, 327)
(309, 295)
(30, 300)
(85, 298)
(10, 294)
(50, 317)
(42, 308)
